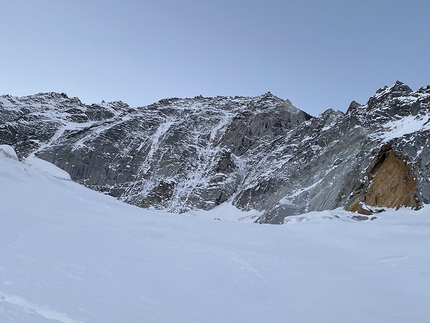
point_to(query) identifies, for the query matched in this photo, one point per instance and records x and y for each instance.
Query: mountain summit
(258, 153)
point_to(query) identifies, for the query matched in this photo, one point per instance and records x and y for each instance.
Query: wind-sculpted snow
(260, 153)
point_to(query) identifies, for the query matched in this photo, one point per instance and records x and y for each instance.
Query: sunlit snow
(404, 126)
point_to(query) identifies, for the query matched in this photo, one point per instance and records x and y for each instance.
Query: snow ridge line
(45, 312)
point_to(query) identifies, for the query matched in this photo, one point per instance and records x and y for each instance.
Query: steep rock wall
(392, 183)
(258, 153)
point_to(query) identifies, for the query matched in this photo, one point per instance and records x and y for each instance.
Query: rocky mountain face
(259, 153)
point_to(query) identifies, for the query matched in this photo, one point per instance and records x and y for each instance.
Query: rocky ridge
(258, 153)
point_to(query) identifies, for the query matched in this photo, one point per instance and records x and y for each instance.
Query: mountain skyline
(319, 55)
(258, 153)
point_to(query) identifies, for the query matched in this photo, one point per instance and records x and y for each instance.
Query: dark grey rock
(257, 152)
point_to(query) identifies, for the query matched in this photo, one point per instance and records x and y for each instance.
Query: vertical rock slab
(393, 184)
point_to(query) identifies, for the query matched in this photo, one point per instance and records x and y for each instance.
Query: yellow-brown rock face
(393, 184)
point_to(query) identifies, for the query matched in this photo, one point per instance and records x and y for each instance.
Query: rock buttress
(392, 183)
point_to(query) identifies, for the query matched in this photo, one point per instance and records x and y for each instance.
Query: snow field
(73, 255)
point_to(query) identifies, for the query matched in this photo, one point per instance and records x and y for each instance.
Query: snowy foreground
(72, 255)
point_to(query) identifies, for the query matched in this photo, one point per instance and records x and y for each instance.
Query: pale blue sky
(318, 54)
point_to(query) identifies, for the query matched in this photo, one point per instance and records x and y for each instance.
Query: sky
(317, 54)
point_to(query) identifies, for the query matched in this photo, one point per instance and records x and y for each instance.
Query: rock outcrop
(391, 183)
(257, 152)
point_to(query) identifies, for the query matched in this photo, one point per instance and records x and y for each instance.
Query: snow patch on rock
(404, 126)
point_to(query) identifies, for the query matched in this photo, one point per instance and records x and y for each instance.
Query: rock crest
(257, 152)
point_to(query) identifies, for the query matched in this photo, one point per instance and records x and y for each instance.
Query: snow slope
(69, 255)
